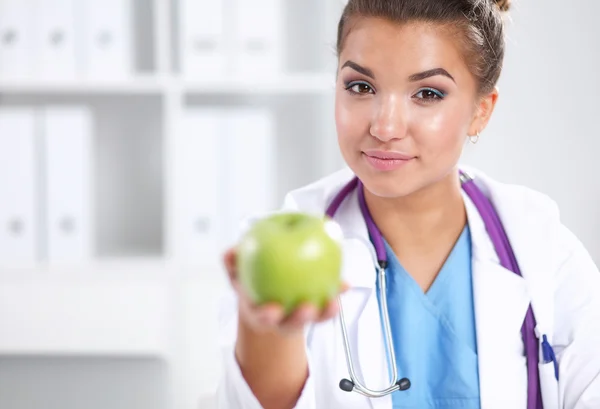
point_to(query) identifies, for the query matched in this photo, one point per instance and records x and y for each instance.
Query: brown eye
(360, 88)
(430, 94)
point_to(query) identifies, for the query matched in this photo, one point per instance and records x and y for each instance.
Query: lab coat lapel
(530, 233)
(361, 308)
(530, 223)
(501, 300)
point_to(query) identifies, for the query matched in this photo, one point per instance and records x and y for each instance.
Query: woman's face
(405, 103)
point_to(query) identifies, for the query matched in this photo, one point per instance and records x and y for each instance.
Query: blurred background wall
(544, 133)
(135, 133)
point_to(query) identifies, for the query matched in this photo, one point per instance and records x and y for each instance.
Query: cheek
(352, 121)
(440, 131)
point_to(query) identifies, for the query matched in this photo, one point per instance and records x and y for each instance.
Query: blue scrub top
(434, 333)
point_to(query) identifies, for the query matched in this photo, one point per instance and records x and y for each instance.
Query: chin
(389, 185)
(388, 191)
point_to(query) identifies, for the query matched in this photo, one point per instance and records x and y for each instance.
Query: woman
(416, 78)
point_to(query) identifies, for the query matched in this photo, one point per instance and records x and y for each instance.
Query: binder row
(45, 174)
(231, 37)
(94, 39)
(222, 172)
(65, 39)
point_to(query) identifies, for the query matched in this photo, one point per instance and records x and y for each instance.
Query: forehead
(385, 46)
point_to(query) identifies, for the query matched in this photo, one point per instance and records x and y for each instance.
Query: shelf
(99, 316)
(105, 308)
(286, 84)
(117, 269)
(142, 85)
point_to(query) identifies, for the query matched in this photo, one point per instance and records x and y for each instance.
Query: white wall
(545, 133)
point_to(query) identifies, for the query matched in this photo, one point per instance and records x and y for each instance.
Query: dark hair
(480, 22)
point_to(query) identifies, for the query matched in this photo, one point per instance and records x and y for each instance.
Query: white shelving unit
(133, 299)
(298, 84)
(136, 86)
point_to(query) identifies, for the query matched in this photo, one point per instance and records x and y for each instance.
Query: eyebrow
(356, 67)
(430, 73)
(413, 78)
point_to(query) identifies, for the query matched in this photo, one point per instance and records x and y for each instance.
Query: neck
(422, 219)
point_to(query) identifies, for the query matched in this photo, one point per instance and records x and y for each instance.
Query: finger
(245, 302)
(301, 316)
(229, 260)
(344, 287)
(269, 315)
(333, 306)
(330, 311)
(264, 315)
(265, 318)
(237, 287)
(229, 257)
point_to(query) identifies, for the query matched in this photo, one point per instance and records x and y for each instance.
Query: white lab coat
(559, 279)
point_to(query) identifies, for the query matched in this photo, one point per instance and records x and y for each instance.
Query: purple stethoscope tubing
(506, 257)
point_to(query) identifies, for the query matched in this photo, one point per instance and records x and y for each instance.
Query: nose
(389, 119)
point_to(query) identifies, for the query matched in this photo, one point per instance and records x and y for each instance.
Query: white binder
(108, 39)
(249, 166)
(55, 52)
(19, 233)
(197, 233)
(68, 184)
(17, 39)
(258, 38)
(203, 46)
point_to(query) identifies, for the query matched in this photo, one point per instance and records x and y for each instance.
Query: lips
(388, 155)
(385, 161)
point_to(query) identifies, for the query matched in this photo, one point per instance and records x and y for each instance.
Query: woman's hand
(271, 317)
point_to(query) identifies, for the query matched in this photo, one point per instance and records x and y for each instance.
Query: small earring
(474, 138)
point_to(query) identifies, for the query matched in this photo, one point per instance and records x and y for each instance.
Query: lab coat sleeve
(233, 391)
(577, 327)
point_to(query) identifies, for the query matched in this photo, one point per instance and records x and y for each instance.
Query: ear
(483, 111)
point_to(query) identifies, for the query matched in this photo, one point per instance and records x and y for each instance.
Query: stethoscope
(507, 260)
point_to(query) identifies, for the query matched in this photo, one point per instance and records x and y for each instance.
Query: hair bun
(503, 5)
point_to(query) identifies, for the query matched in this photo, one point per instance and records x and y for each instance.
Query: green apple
(291, 258)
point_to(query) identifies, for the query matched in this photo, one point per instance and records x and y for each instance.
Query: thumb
(229, 260)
